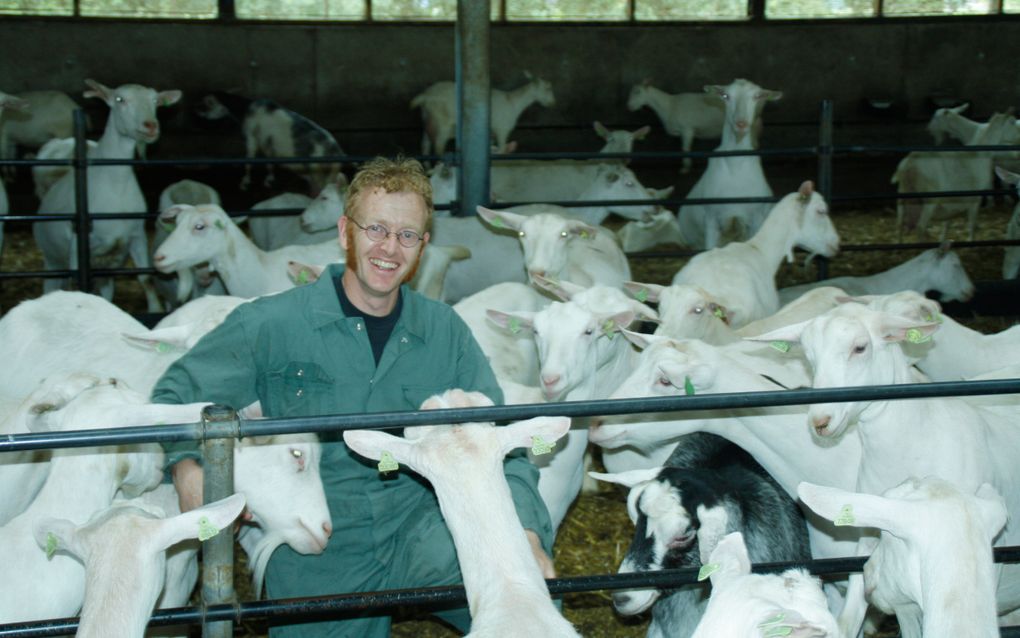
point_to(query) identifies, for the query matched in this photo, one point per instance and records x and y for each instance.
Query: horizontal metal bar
(386, 420)
(383, 601)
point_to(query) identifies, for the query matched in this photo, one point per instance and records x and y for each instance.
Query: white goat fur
(742, 274)
(124, 552)
(933, 565)
(685, 115)
(438, 104)
(746, 605)
(938, 269)
(57, 148)
(506, 593)
(931, 172)
(561, 248)
(711, 225)
(177, 289)
(36, 118)
(851, 346)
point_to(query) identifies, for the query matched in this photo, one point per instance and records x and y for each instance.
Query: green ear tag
(688, 387)
(914, 335)
(782, 346)
(220, 225)
(707, 570)
(935, 318)
(497, 222)
(585, 235)
(302, 277)
(719, 313)
(168, 226)
(773, 620)
(164, 347)
(539, 446)
(51, 545)
(778, 630)
(642, 295)
(206, 530)
(845, 517)
(514, 324)
(609, 328)
(387, 463)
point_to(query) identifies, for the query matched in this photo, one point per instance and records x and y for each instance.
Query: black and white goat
(273, 131)
(708, 488)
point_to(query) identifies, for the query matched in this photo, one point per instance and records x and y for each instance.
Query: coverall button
(300, 392)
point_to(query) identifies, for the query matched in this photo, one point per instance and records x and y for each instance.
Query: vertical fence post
(218, 483)
(825, 170)
(82, 221)
(473, 112)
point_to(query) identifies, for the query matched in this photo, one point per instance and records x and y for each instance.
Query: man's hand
(545, 563)
(187, 475)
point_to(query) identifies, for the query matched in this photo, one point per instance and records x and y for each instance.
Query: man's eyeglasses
(378, 233)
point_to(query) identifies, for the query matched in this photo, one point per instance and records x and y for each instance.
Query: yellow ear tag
(642, 295)
(688, 387)
(302, 277)
(514, 324)
(707, 570)
(782, 346)
(609, 328)
(387, 463)
(539, 446)
(845, 517)
(778, 630)
(51, 545)
(914, 335)
(206, 530)
(773, 620)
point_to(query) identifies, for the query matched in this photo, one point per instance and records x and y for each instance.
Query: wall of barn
(357, 80)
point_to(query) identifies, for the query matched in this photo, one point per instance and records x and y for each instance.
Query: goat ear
(501, 219)
(644, 292)
(217, 516)
(56, 534)
(992, 510)
(161, 340)
(730, 559)
(852, 509)
(526, 433)
(628, 479)
(600, 129)
(790, 333)
(168, 98)
(791, 624)
(98, 90)
(642, 340)
(894, 329)
(371, 444)
(562, 290)
(301, 274)
(1007, 176)
(515, 322)
(642, 133)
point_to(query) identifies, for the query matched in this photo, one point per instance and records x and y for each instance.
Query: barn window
(182, 9)
(37, 7)
(301, 9)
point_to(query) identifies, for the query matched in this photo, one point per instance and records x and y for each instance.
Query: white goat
(932, 565)
(273, 131)
(1011, 259)
(207, 234)
(7, 102)
(710, 225)
(57, 148)
(178, 288)
(111, 189)
(581, 358)
(686, 312)
(954, 351)
(506, 593)
(661, 228)
(511, 355)
(951, 122)
(685, 115)
(852, 346)
(270, 233)
(742, 274)
(808, 306)
(746, 605)
(124, 552)
(921, 172)
(938, 269)
(438, 104)
(619, 140)
(80, 483)
(36, 117)
(559, 247)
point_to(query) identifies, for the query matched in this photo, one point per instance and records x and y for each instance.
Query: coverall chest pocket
(299, 389)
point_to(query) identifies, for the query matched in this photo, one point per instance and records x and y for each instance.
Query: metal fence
(221, 425)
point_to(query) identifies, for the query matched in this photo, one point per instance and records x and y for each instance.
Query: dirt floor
(597, 531)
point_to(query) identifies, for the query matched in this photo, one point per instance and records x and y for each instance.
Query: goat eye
(199, 226)
(698, 310)
(520, 233)
(589, 332)
(297, 453)
(664, 381)
(860, 349)
(563, 234)
(118, 99)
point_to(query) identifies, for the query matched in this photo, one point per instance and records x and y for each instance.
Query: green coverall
(299, 355)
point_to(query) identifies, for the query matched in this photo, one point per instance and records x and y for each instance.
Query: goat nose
(550, 380)
(328, 528)
(621, 600)
(151, 125)
(821, 422)
(158, 258)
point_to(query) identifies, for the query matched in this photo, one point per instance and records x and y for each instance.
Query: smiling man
(355, 341)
